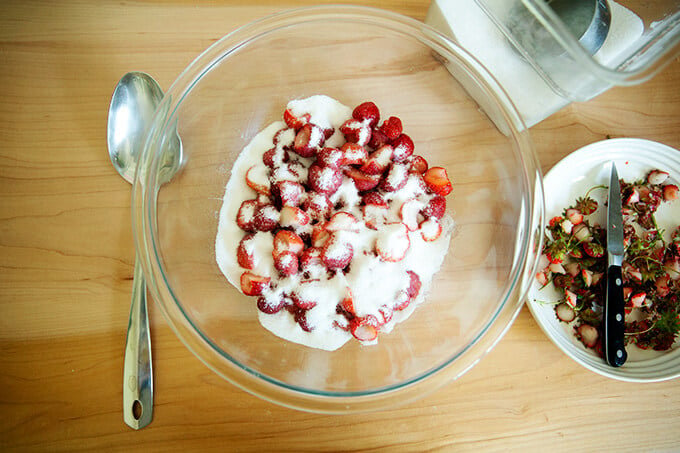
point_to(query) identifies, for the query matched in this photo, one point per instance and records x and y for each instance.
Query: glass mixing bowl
(240, 85)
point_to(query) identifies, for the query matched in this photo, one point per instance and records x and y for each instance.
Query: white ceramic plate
(571, 178)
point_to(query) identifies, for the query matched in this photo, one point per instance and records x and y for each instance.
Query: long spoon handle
(137, 372)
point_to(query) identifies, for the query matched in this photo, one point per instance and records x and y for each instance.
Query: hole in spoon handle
(138, 376)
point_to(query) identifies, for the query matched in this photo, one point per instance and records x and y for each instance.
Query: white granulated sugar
(374, 284)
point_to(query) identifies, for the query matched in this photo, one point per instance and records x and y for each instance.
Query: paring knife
(614, 326)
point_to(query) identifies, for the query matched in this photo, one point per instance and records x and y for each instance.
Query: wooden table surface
(66, 262)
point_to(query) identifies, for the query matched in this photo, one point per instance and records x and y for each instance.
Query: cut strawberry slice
(588, 335)
(289, 192)
(378, 160)
(287, 241)
(418, 164)
(245, 218)
(570, 298)
(670, 192)
(245, 252)
(324, 179)
(275, 157)
(401, 301)
(356, 132)
(318, 206)
(367, 112)
(353, 154)
(364, 328)
(330, 157)
(409, 213)
(435, 208)
(347, 303)
(391, 127)
(253, 284)
(293, 217)
(320, 235)
(403, 148)
(294, 121)
(374, 215)
(414, 285)
(342, 221)
(395, 179)
(430, 229)
(362, 181)
(308, 140)
(574, 216)
(310, 259)
(378, 139)
(656, 177)
(302, 300)
(564, 312)
(374, 198)
(257, 178)
(638, 299)
(392, 242)
(286, 263)
(270, 306)
(438, 181)
(593, 250)
(266, 217)
(337, 253)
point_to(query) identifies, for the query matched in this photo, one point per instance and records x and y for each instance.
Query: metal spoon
(132, 107)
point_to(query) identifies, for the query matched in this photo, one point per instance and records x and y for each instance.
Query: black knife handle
(614, 325)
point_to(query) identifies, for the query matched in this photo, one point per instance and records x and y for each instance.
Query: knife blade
(614, 323)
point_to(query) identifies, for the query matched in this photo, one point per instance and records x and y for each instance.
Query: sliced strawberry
(317, 205)
(300, 317)
(557, 268)
(564, 312)
(253, 284)
(353, 154)
(581, 232)
(403, 148)
(430, 229)
(289, 192)
(542, 278)
(395, 179)
(409, 213)
(257, 178)
(367, 112)
(418, 164)
(287, 241)
(284, 136)
(245, 218)
(587, 276)
(574, 215)
(320, 235)
(392, 242)
(311, 258)
(374, 198)
(356, 132)
(275, 157)
(291, 216)
(362, 181)
(656, 177)
(401, 301)
(632, 198)
(364, 328)
(573, 268)
(308, 140)
(294, 121)
(670, 192)
(567, 226)
(324, 179)
(435, 208)
(374, 215)
(378, 139)
(378, 160)
(386, 314)
(438, 181)
(661, 284)
(570, 298)
(286, 263)
(266, 217)
(672, 267)
(638, 299)
(336, 253)
(330, 157)
(587, 334)
(347, 303)
(414, 284)
(245, 252)
(270, 306)
(302, 300)
(391, 127)
(342, 221)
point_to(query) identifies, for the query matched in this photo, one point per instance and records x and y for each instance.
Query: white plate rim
(631, 155)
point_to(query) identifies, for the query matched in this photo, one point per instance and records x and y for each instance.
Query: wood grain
(66, 259)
